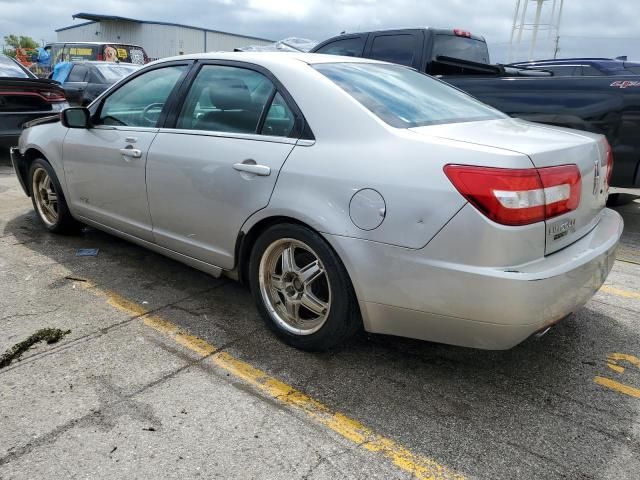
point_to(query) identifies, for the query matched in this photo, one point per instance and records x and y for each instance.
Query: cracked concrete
(118, 399)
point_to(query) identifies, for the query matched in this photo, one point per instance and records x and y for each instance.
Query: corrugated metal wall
(158, 40)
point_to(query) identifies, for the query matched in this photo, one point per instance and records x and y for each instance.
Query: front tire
(301, 288)
(48, 199)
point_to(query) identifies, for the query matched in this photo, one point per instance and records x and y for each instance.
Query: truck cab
(420, 48)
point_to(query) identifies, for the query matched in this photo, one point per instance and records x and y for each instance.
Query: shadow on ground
(530, 412)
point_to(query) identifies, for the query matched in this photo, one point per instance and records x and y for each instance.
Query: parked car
(84, 81)
(609, 105)
(345, 192)
(24, 97)
(578, 67)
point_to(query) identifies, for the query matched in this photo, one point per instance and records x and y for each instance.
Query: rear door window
(399, 48)
(349, 47)
(78, 73)
(225, 99)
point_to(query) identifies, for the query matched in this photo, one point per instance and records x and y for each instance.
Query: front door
(105, 165)
(220, 163)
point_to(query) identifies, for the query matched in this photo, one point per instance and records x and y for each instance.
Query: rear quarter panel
(317, 183)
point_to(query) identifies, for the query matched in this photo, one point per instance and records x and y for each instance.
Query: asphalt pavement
(170, 373)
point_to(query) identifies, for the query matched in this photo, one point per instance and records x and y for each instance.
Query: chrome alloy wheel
(45, 196)
(295, 286)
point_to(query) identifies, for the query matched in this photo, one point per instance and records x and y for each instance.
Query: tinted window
(350, 47)
(463, 48)
(138, 103)
(394, 48)
(225, 99)
(8, 68)
(114, 72)
(404, 98)
(588, 70)
(562, 70)
(78, 73)
(279, 121)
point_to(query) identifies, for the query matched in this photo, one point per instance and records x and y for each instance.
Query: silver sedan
(346, 193)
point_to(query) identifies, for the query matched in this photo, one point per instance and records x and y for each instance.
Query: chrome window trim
(239, 136)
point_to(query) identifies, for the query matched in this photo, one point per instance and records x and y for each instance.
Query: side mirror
(76, 117)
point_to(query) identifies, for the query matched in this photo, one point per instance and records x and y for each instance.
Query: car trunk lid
(546, 147)
(29, 95)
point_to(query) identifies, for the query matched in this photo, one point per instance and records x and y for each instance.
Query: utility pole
(536, 25)
(557, 22)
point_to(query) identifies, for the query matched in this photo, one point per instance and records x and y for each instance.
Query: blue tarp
(61, 71)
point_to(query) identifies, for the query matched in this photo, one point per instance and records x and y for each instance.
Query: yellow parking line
(619, 292)
(617, 386)
(421, 467)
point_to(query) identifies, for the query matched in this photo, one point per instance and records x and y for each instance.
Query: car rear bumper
(402, 293)
(19, 165)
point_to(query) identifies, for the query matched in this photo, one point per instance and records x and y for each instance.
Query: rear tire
(48, 199)
(302, 289)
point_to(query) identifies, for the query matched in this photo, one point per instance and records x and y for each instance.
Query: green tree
(15, 41)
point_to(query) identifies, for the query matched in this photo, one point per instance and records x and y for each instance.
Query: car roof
(270, 57)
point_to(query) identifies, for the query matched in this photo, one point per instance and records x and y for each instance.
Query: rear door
(219, 160)
(403, 47)
(76, 83)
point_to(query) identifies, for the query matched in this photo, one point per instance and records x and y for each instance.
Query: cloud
(582, 34)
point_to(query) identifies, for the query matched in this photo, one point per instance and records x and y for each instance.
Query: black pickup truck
(603, 104)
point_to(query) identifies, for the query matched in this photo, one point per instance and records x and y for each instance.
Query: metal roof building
(159, 39)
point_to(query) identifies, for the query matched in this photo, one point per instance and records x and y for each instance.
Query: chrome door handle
(261, 170)
(131, 152)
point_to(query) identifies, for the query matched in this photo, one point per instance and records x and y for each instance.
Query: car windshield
(113, 73)
(403, 97)
(9, 69)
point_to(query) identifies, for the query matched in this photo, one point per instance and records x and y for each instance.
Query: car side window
(564, 70)
(225, 99)
(589, 71)
(78, 73)
(394, 48)
(139, 102)
(349, 47)
(279, 120)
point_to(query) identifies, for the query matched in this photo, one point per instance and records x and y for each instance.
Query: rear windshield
(403, 97)
(8, 68)
(114, 72)
(463, 48)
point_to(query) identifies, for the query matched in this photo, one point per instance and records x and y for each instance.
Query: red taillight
(52, 95)
(99, 57)
(518, 196)
(609, 151)
(48, 95)
(461, 33)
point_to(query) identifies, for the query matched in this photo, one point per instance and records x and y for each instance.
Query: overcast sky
(589, 27)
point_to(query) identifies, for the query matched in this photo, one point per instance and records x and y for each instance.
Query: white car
(345, 192)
